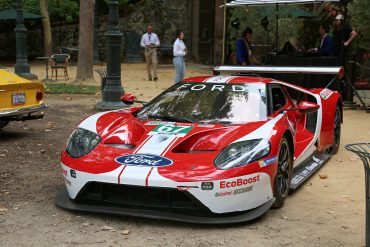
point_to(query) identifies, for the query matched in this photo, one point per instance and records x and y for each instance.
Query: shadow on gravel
(6, 135)
(141, 222)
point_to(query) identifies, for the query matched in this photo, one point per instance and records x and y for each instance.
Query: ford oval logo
(144, 160)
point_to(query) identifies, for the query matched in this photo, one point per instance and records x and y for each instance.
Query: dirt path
(324, 212)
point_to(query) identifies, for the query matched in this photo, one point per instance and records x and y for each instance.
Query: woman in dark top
(243, 47)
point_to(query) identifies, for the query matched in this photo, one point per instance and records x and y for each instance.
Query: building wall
(217, 49)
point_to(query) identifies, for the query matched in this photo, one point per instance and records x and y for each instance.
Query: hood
(176, 151)
(154, 137)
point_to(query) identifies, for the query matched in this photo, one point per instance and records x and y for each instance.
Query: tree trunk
(46, 28)
(85, 41)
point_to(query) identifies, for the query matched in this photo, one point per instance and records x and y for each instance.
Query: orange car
(20, 99)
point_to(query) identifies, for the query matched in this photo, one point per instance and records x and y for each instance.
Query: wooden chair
(59, 61)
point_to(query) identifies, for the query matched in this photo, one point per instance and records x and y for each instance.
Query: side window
(277, 98)
(295, 95)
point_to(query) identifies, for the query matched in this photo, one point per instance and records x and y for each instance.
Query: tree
(85, 41)
(359, 10)
(46, 28)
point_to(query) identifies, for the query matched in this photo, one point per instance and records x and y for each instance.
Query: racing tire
(337, 130)
(283, 174)
(3, 123)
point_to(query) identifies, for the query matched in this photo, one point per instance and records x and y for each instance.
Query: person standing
(326, 44)
(343, 37)
(244, 49)
(179, 52)
(150, 41)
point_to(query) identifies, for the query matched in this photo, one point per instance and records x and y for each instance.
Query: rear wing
(338, 71)
(241, 3)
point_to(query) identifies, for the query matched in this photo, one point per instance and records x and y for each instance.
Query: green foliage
(59, 10)
(359, 10)
(29, 5)
(64, 10)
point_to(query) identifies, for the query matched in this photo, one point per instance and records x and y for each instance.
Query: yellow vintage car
(20, 99)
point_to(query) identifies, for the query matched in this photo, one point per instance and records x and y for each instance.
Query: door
(206, 29)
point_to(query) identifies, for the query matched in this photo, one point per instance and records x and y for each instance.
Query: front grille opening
(168, 200)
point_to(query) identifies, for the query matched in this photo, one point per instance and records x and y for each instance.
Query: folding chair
(59, 61)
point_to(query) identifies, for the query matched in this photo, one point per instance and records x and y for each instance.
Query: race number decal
(325, 94)
(172, 130)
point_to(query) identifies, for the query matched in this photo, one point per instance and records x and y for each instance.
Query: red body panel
(328, 114)
(194, 154)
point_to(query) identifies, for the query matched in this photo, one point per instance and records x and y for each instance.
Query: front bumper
(143, 191)
(26, 113)
(62, 200)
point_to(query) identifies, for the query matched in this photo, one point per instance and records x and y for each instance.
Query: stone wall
(166, 16)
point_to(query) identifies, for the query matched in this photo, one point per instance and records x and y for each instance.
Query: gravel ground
(324, 212)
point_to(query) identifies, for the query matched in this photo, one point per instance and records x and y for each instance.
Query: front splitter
(62, 200)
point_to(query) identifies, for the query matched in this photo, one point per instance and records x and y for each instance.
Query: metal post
(277, 34)
(96, 57)
(363, 151)
(22, 68)
(276, 26)
(113, 90)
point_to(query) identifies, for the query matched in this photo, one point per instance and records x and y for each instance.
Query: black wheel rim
(337, 124)
(283, 170)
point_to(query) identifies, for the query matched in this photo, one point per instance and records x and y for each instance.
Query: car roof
(230, 79)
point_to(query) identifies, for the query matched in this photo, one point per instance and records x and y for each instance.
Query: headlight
(242, 153)
(82, 142)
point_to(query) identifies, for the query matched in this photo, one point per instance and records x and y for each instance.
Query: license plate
(18, 98)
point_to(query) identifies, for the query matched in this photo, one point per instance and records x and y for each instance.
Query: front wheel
(283, 174)
(3, 123)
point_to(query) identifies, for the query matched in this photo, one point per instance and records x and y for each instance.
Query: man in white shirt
(150, 41)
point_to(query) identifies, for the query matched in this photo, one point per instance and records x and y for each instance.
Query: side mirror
(128, 99)
(307, 107)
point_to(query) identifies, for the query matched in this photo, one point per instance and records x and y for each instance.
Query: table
(46, 67)
(72, 51)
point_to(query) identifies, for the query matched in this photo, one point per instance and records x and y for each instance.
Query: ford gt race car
(211, 149)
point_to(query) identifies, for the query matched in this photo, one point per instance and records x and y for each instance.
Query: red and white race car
(211, 149)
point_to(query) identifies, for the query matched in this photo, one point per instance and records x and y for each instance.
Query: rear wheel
(3, 123)
(283, 174)
(337, 130)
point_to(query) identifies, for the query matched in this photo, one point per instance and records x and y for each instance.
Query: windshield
(209, 103)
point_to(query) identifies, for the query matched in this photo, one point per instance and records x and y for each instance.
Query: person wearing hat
(343, 36)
